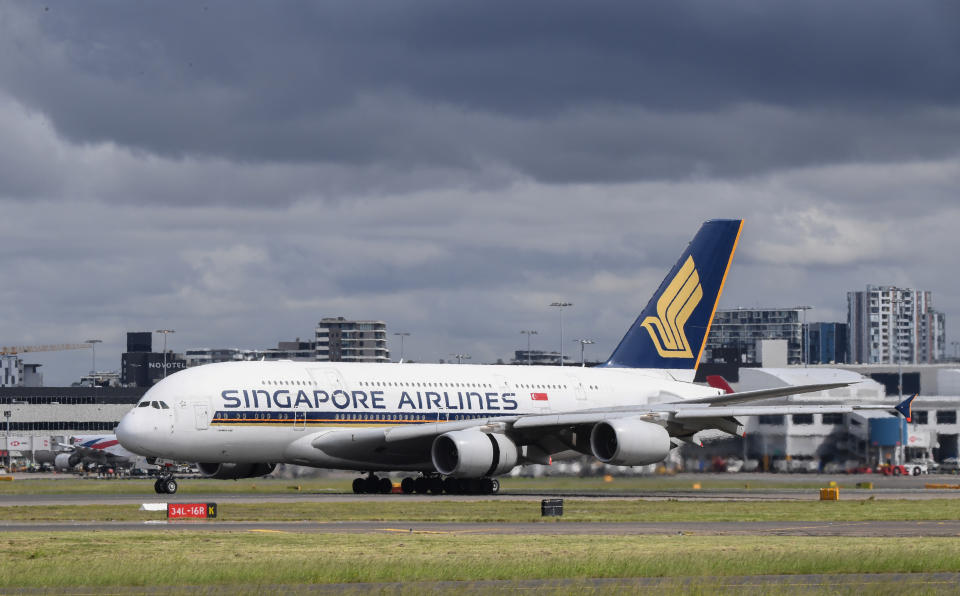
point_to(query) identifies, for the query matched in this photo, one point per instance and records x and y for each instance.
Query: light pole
(93, 345)
(461, 357)
(583, 342)
(898, 311)
(402, 335)
(528, 333)
(561, 305)
(165, 332)
(804, 336)
(6, 438)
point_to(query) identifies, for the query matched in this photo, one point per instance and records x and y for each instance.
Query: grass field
(251, 559)
(261, 561)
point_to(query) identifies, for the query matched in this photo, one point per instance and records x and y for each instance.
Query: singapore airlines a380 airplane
(458, 427)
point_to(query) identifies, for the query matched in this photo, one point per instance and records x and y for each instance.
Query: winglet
(906, 407)
(718, 382)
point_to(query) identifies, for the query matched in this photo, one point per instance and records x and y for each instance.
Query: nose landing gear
(165, 485)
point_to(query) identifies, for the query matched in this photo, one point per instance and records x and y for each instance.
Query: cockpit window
(155, 404)
(143, 404)
(164, 406)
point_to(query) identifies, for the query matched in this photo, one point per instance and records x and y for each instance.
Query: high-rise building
(11, 371)
(139, 341)
(890, 325)
(343, 340)
(734, 334)
(828, 343)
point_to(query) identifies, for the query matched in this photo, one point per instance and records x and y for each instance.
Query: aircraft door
(201, 415)
(299, 419)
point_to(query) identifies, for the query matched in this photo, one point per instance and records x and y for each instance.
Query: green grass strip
(175, 559)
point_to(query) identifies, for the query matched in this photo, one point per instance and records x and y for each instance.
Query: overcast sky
(237, 171)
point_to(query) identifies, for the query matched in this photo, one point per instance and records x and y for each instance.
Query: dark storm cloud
(237, 171)
(383, 93)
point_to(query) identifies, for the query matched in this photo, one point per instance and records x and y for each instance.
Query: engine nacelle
(629, 442)
(235, 471)
(66, 461)
(473, 454)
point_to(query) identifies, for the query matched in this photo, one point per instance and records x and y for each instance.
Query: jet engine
(629, 442)
(235, 471)
(66, 461)
(473, 454)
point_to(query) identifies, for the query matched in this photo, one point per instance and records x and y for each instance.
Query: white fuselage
(273, 411)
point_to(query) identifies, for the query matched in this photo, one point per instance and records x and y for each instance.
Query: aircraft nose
(130, 432)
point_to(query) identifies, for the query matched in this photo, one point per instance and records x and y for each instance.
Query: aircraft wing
(758, 394)
(682, 419)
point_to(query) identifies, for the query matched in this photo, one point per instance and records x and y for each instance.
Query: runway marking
(412, 531)
(266, 531)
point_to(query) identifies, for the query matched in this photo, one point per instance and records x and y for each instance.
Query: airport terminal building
(835, 442)
(39, 416)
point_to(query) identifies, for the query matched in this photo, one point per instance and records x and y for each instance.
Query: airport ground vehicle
(910, 469)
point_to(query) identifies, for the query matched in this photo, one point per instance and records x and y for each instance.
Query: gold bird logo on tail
(674, 307)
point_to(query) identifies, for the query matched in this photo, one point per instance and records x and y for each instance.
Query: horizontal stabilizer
(906, 407)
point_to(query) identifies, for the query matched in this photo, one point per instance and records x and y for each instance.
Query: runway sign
(191, 511)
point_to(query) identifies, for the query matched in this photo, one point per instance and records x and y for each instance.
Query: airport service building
(813, 442)
(39, 416)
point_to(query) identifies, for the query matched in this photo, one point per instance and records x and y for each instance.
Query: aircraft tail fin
(672, 330)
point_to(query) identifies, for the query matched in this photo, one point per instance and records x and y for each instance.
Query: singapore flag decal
(538, 396)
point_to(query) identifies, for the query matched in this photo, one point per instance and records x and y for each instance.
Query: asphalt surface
(780, 494)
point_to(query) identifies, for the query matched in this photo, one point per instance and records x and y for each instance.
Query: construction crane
(11, 350)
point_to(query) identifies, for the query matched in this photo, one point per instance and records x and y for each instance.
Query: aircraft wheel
(916, 471)
(486, 486)
(495, 486)
(156, 487)
(386, 486)
(407, 485)
(170, 486)
(421, 485)
(436, 485)
(371, 485)
(896, 471)
(358, 486)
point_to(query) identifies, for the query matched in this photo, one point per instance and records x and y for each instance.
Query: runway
(743, 495)
(875, 529)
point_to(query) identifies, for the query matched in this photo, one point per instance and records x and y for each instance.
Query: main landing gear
(430, 483)
(372, 485)
(165, 485)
